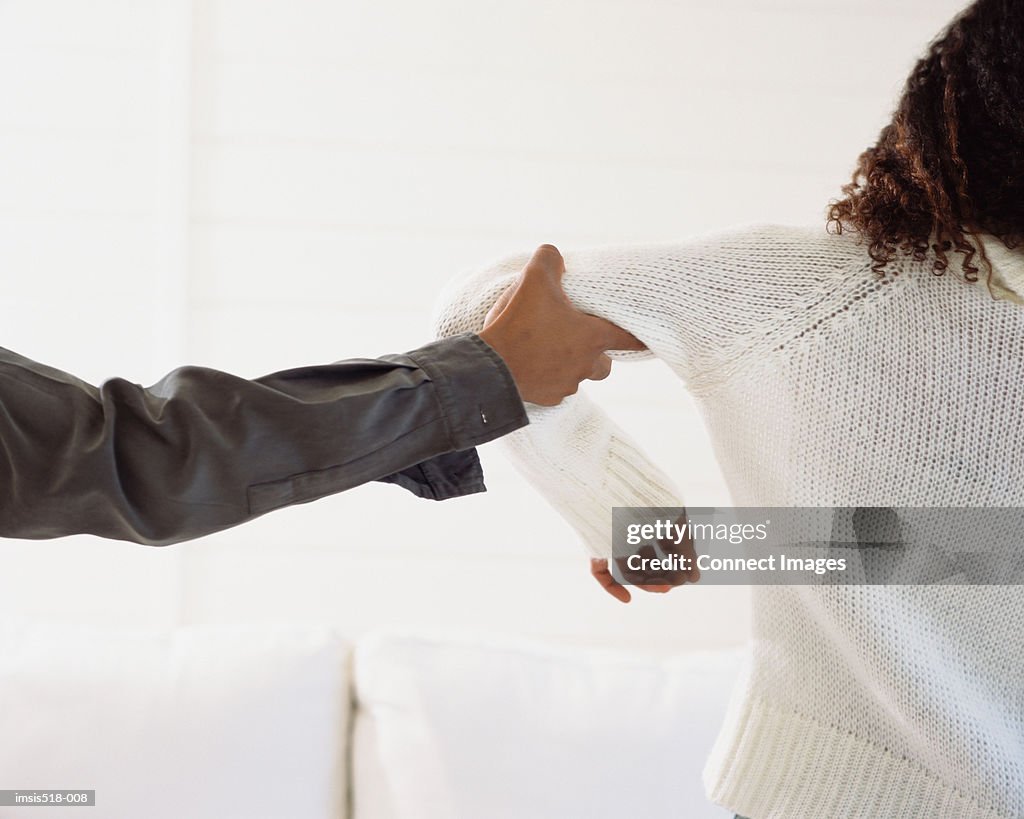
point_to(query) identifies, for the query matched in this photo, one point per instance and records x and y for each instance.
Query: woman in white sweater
(835, 368)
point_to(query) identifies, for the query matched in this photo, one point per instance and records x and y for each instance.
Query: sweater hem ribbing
(771, 764)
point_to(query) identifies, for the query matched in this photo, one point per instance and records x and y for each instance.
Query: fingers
(602, 368)
(549, 257)
(546, 262)
(614, 337)
(548, 344)
(664, 577)
(599, 569)
(502, 302)
(602, 574)
(544, 270)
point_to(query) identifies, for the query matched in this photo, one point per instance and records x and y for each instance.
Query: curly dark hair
(950, 164)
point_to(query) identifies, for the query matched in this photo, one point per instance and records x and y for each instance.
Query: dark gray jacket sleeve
(203, 450)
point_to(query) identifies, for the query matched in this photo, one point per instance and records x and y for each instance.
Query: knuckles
(548, 253)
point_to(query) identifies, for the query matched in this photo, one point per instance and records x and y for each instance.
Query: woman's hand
(603, 575)
(655, 581)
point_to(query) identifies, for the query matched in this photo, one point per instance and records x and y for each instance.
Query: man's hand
(548, 345)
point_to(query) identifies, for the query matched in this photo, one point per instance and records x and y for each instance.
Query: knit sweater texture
(821, 383)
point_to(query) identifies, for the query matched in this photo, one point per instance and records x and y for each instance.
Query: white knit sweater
(821, 384)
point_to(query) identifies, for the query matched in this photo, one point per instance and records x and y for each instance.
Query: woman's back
(822, 384)
(902, 390)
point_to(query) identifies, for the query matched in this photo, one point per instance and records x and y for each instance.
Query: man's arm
(204, 450)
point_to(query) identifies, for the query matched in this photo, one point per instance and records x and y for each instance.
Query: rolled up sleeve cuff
(477, 393)
(451, 475)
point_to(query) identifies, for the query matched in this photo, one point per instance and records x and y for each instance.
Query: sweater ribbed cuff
(624, 485)
(619, 473)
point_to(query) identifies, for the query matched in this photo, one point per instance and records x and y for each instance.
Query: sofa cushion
(194, 722)
(466, 728)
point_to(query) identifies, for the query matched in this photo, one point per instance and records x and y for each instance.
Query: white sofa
(295, 722)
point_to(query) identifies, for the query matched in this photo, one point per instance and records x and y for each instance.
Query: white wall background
(253, 185)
